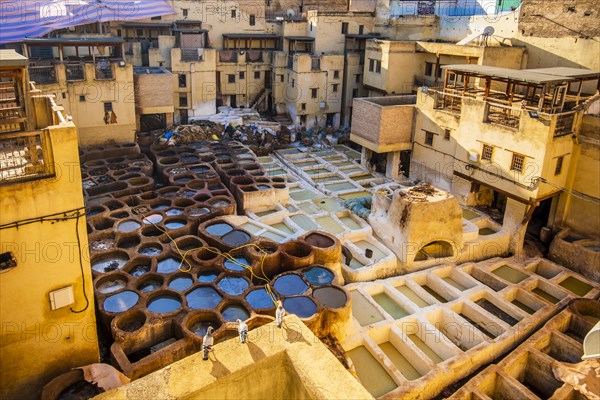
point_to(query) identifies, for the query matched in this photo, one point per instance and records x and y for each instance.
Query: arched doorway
(435, 249)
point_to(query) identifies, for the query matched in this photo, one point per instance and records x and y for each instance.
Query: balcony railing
(502, 115)
(447, 102)
(564, 124)
(24, 156)
(75, 72)
(104, 71)
(254, 56)
(192, 54)
(43, 74)
(227, 56)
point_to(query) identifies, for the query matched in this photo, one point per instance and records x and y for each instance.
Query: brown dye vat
(162, 316)
(296, 254)
(327, 251)
(139, 328)
(265, 257)
(69, 382)
(586, 313)
(87, 154)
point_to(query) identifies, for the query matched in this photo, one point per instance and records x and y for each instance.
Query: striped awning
(30, 19)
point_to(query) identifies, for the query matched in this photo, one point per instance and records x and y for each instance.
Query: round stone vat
(197, 322)
(296, 254)
(164, 302)
(265, 257)
(111, 283)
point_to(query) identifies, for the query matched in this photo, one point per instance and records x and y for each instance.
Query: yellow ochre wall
(88, 115)
(37, 344)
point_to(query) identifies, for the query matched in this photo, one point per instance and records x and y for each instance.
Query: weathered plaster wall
(36, 343)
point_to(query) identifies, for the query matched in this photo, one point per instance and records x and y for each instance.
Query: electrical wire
(56, 217)
(227, 255)
(87, 301)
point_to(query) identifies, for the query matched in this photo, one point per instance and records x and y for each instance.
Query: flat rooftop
(10, 58)
(150, 70)
(537, 76)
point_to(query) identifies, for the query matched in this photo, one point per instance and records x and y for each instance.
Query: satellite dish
(488, 31)
(290, 13)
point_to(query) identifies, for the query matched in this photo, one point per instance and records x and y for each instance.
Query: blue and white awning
(20, 20)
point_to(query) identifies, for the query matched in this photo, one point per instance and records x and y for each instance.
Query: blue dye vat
(110, 264)
(207, 276)
(302, 306)
(175, 224)
(203, 297)
(235, 267)
(290, 285)
(218, 229)
(181, 283)
(149, 286)
(318, 276)
(174, 211)
(140, 270)
(259, 298)
(232, 313)
(233, 285)
(164, 304)
(121, 301)
(167, 266)
(236, 238)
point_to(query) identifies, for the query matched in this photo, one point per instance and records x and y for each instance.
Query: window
(231, 78)
(361, 29)
(371, 64)
(233, 13)
(429, 138)
(183, 103)
(252, 20)
(378, 67)
(184, 11)
(7, 261)
(108, 107)
(559, 164)
(357, 78)
(487, 152)
(256, 74)
(344, 28)
(446, 134)
(242, 75)
(336, 74)
(354, 93)
(428, 69)
(311, 26)
(82, 97)
(293, 83)
(182, 80)
(158, 18)
(139, 32)
(303, 106)
(517, 162)
(314, 93)
(334, 88)
(439, 72)
(281, 78)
